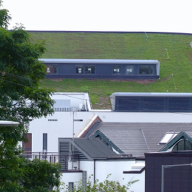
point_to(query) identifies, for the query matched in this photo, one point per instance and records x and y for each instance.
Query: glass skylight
(167, 137)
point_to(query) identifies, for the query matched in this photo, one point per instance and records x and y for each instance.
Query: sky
(102, 15)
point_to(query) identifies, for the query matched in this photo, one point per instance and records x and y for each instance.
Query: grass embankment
(175, 72)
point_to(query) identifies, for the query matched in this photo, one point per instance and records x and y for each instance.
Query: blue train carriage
(102, 68)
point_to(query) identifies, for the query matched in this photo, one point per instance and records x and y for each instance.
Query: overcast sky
(102, 15)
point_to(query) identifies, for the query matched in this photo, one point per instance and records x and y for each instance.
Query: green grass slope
(175, 72)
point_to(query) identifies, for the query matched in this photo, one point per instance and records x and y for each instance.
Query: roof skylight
(167, 137)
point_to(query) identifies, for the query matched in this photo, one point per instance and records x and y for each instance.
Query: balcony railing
(52, 157)
(68, 162)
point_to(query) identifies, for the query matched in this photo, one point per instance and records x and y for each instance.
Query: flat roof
(99, 61)
(150, 94)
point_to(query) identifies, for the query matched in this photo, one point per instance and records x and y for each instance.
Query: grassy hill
(175, 72)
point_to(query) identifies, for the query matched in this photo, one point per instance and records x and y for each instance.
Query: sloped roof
(87, 148)
(94, 147)
(123, 140)
(189, 133)
(138, 138)
(183, 134)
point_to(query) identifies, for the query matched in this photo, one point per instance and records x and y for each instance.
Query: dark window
(146, 70)
(116, 69)
(129, 70)
(79, 69)
(27, 146)
(179, 104)
(90, 69)
(151, 70)
(51, 69)
(44, 142)
(153, 104)
(187, 145)
(127, 104)
(182, 145)
(71, 186)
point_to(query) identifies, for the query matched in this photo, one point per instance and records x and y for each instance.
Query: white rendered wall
(71, 177)
(66, 122)
(54, 129)
(116, 168)
(104, 168)
(143, 117)
(77, 176)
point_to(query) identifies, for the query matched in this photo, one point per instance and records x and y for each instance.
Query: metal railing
(52, 157)
(68, 162)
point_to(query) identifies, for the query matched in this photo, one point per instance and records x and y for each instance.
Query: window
(116, 69)
(51, 69)
(167, 137)
(71, 186)
(182, 145)
(27, 146)
(79, 69)
(152, 104)
(44, 142)
(146, 70)
(151, 70)
(179, 104)
(90, 69)
(52, 119)
(127, 104)
(129, 69)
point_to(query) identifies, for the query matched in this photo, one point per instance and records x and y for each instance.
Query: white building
(73, 112)
(73, 117)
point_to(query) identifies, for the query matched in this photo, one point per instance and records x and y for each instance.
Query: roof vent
(52, 119)
(125, 155)
(81, 107)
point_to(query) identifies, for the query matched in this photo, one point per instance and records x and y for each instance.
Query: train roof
(98, 61)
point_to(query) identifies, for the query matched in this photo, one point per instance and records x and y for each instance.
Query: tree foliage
(40, 175)
(21, 99)
(4, 17)
(105, 186)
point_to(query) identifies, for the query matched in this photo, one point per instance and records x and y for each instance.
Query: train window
(51, 69)
(129, 69)
(116, 69)
(143, 69)
(146, 70)
(90, 69)
(79, 69)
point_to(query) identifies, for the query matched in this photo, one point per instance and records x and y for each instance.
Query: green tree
(21, 97)
(39, 175)
(105, 186)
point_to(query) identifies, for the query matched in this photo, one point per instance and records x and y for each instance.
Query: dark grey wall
(153, 104)
(102, 71)
(176, 179)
